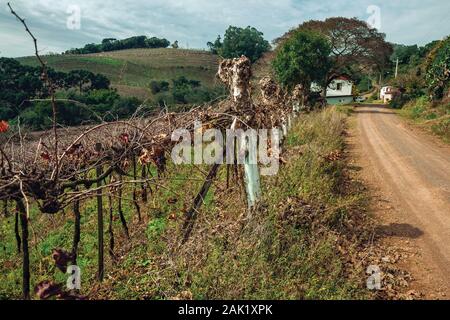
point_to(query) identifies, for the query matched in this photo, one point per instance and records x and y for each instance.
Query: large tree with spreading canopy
(355, 46)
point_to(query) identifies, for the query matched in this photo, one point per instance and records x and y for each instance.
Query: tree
(78, 78)
(155, 42)
(355, 46)
(159, 86)
(99, 81)
(438, 69)
(216, 46)
(175, 44)
(248, 42)
(303, 59)
(404, 54)
(108, 44)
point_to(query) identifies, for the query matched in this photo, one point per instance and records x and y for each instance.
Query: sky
(63, 24)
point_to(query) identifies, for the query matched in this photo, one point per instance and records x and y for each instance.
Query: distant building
(388, 93)
(339, 91)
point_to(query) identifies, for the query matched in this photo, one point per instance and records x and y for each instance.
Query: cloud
(194, 22)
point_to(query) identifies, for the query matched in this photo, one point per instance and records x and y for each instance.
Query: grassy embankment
(300, 243)
(434, 117)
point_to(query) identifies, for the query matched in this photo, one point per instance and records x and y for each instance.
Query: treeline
(111, 44)
(411, 55)
(424, 83)
(82, 96)
(423, 72)
(22, 83)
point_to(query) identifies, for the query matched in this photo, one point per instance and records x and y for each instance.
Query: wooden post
(110, 229)
(77, 230)
(99, 172)
(135, 200)
(16, 230)
(144, 183)
(192, 213)
(25, 250)
(121, 215)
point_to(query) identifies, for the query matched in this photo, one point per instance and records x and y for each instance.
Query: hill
(132, 70)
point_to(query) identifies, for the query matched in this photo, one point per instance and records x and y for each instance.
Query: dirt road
(409, 172)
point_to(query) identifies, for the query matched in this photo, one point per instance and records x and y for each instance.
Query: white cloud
(198, 21)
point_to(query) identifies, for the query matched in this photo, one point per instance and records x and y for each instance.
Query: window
(339, 87)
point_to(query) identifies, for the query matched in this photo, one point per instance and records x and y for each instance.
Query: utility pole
(396, 69)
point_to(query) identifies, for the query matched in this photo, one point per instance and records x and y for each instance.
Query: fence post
(99, 172)
(25, 250)
(77, 229)
(236, 74)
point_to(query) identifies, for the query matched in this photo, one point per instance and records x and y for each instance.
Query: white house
(387, 93)
(339, 91)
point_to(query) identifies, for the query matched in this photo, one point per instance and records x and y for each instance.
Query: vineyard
(113, 211)
(131, 71)
(66, 170)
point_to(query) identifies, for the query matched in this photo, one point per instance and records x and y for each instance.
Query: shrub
(159, 86)
(398, 101)
(438, 69)
(124, 107)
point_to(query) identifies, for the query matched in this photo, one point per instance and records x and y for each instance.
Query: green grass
(131, 71)
(285, 249)
(434, 117)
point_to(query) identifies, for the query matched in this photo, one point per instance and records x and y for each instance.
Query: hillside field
(132, 70)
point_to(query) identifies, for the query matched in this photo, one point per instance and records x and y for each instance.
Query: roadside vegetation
(425, 87)
(432, 116)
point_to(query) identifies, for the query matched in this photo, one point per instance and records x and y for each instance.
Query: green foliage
(355, 45)
(432, 115)
(18, 83)
(410, 56)
(85, 80)
(241, 41)
(398, 101)
(22, 83)
(159, 86)
(278, 254)
(111, 44)
(438, 69)
(216, 46)
(92, 105)
(405, 54)
(303, 58)
(364, 84)
(125, 107)
(187, 91)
